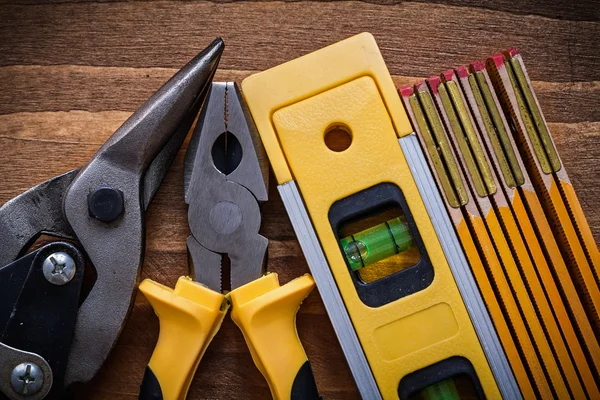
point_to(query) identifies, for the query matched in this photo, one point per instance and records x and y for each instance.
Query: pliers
(63, 306)
(224, 184)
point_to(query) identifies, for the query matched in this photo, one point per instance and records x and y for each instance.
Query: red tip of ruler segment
(497, 59)
(419, 85)
(513, 51)
(434, 82)
(462, 71)
(448, 75)
(406, 91)
(477, 66)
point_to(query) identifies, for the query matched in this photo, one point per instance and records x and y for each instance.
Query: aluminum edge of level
(336, 309)
(460, 268)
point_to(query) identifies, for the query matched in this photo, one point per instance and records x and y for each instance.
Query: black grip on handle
(304, 386)
(150, 387)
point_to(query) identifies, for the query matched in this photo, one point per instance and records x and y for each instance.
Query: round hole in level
(338, 137)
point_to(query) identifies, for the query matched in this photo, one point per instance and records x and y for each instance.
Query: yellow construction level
(409, 332)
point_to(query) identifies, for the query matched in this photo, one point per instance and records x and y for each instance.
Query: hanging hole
(226, 153)
(338, 137)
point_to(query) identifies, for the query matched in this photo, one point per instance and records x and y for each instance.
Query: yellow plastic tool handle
(190, 315)
(266, 314)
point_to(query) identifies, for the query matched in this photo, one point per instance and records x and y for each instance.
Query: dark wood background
(71, 71)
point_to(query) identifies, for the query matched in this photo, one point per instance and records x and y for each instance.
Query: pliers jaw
(225, 185)
(103, 205)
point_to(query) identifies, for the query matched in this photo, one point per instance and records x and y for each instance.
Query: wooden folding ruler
(493, 159)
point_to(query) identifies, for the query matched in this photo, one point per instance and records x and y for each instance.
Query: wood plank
(74, 87)
(581, 11)
(413, 41)
(26, 88)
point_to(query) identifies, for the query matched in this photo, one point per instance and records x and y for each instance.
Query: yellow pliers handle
(191, 314)
(266, 314)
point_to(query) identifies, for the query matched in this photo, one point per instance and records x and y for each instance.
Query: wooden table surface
(72, 71)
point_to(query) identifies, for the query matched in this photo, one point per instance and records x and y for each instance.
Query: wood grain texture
(72, 71)
(586, 11)
(97, 89)
(416, 38)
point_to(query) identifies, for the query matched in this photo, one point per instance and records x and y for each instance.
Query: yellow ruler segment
(433, 154)
(446, 110)
(519, 247)
(577, 215)
(556, 301)
(581, 225)
(490, 130)
(466, 122)
(508, 302)
(520, 291)
(491, 101)
(567, 192)
(529, 124)
(536, 114)
(549, 193)
(571, 295)
(500, 323)
(584, 274)
(557, 263)
(441, 139)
